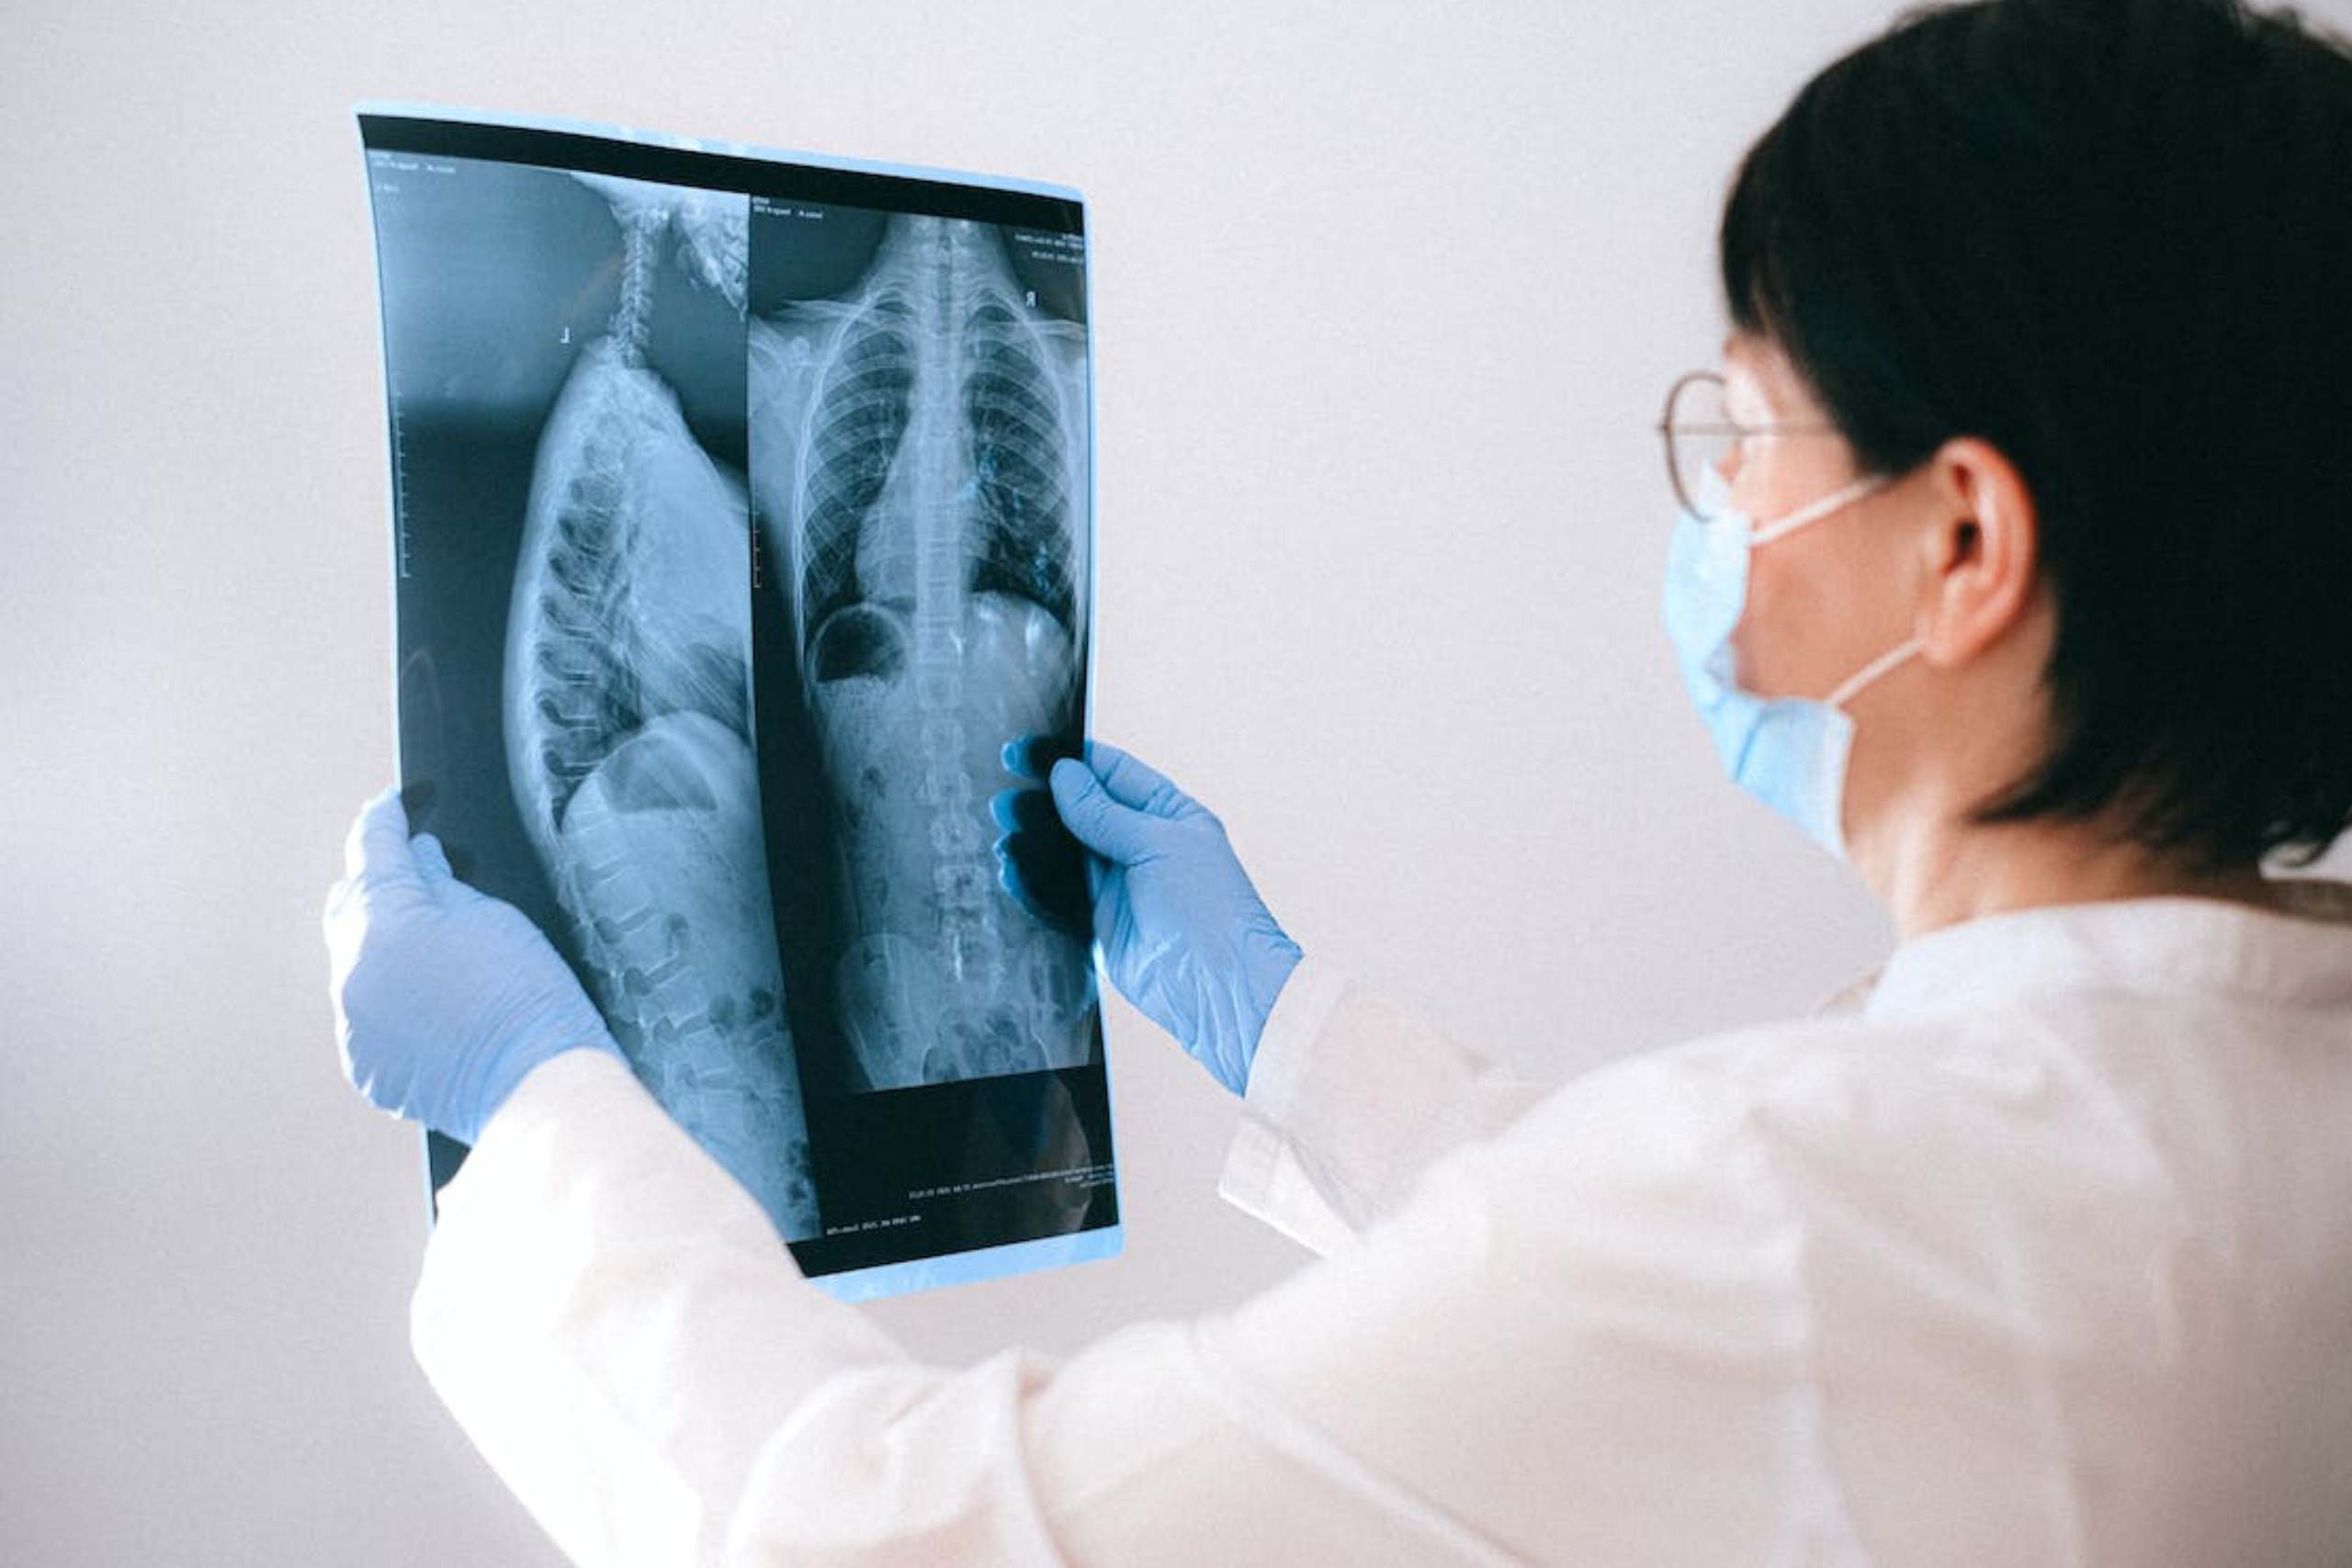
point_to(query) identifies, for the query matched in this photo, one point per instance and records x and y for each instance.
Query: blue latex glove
(1184, 935)
(443, 997)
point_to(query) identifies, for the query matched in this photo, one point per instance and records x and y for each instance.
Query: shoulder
(1778, 1107)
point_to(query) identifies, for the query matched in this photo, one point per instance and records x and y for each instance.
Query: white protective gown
(2035, 1246)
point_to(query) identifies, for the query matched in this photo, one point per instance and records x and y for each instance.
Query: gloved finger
(339, 893)
(1047, 879)
(1046, 859)
(1032, 826)
(377, 849)
(1033, 756)
(1027, 811)
(1137, 784)
(431, 860)
(1120, 833)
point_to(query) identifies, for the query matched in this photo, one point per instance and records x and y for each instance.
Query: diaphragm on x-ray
(741, 516)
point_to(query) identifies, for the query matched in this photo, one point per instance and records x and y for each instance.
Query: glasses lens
(1699, 437)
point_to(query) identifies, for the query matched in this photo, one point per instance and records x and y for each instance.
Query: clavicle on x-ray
(786, 468)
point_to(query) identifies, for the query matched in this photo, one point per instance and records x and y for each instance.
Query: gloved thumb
(431, 861)
(1116, 832)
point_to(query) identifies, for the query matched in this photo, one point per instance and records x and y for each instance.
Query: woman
(2012, 564)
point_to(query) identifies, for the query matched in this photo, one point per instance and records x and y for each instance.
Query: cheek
(1780, 632)
(1756, 645)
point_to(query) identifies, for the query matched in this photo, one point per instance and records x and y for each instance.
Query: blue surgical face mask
(1789, 753)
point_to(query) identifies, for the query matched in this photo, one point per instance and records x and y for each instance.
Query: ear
(1980, 572)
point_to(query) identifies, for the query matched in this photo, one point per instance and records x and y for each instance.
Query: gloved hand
(443, 997)
(1184, 935)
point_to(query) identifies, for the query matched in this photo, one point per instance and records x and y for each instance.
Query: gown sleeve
(1349, 1098)
(1521, 1344)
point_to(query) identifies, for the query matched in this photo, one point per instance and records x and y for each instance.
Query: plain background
(1386, 300)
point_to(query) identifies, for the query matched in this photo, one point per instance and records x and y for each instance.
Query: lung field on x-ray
(628, 716)
(918, 447)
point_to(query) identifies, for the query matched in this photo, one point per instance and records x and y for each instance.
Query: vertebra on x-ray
(917, 452)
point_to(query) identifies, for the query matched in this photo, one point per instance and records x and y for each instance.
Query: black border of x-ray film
(718, 170)
(1001, 1113)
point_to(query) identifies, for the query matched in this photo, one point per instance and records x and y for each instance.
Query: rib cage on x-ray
(628, 732)
(918, 456)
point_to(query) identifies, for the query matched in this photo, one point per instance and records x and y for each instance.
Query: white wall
(1386, 300)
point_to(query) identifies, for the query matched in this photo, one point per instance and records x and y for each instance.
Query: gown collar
(2301, 954)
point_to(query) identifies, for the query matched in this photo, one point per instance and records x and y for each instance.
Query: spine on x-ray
(937, 605)
(629, 749)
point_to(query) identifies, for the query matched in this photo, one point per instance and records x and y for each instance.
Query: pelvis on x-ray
(628, 732)
(918, 456)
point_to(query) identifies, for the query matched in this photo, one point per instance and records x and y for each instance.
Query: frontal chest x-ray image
(738, 532)
(917, 454)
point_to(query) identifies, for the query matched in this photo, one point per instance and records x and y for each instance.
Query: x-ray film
(741, 515)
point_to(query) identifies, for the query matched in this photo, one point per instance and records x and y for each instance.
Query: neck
(1934, 872)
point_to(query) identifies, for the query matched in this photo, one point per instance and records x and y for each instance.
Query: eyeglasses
(1699, 435)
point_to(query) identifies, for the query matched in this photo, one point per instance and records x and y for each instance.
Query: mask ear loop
(1854, 683)
(1869, 673)
(1817, 511)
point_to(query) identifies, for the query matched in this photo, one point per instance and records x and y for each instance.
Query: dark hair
(2112, 238)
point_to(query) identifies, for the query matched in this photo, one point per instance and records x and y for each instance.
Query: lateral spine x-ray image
(628, 724)
(737, 532)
